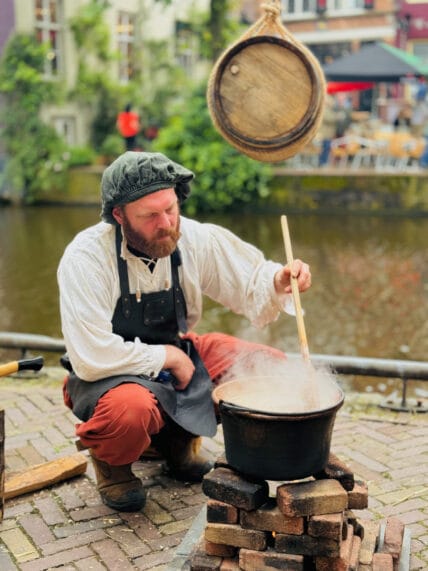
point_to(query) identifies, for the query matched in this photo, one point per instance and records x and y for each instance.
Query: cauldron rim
(247, 411)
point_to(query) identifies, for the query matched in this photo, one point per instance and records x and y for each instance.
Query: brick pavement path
(67, 527)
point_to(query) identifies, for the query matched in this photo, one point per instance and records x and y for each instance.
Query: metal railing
(364, 366)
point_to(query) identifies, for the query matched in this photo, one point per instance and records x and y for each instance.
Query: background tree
(224, 177)
(35, 154)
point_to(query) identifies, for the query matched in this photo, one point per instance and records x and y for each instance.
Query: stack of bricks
(309, 525)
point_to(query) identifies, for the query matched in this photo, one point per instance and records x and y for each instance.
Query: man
(128, 125)
(131, 290)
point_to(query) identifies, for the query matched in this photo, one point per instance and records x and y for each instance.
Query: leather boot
(181, 450)
(119, 488)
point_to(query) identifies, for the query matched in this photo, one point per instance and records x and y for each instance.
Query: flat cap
(136, 174)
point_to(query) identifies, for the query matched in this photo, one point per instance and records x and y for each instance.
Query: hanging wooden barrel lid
(266, 95)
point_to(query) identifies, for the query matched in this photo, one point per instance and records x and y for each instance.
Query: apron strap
(179, 301)
(123, 275)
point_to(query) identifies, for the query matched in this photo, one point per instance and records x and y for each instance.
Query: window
(299, 7)
(311, 7)
(186, 47)
(49, 29)
(66, 128)
(126, 45)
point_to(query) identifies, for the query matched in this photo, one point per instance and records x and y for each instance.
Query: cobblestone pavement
(67, 527)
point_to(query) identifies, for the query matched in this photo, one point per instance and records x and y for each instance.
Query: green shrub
(224, 177)
(81, 156)
(35, 152)
(112, 147)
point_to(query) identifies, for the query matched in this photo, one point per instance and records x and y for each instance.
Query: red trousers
(125, 417)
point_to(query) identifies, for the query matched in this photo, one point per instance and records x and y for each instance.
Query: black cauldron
(271, 445)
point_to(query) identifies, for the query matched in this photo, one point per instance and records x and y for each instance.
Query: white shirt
(215, 263)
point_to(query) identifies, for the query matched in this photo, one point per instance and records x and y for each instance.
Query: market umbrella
(376, 62)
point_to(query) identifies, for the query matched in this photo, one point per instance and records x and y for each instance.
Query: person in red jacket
(128, 125)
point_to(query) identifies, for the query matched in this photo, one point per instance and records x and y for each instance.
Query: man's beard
(152, 248)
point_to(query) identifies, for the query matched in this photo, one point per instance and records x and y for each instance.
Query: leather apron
(157, 319)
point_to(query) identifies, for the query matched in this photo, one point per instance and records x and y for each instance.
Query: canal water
(369, 296)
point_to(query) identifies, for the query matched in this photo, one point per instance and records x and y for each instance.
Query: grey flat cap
(134, 175)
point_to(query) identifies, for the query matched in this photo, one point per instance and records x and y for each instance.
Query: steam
(278, 385)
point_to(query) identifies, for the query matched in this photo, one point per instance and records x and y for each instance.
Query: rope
(272, 10)
(269, 23)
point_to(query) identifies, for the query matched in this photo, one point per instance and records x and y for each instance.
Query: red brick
(393, 538)
(370, 540)
(269, 518)
(229, 565)
(227, 486)
(382, 562)
(201, 562)
(306, 545)
(358, 498)
(235, 535)
(220, 512)
(311, 498)
(340, 563)
(337, 470)
(327, 525)
(355, 553)
(250, 560)
(351, 518)
(219, 549)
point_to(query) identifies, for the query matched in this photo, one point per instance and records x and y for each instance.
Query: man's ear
(117, 214)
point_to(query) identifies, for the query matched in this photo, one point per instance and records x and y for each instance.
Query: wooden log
(44, 475)
(2, 463)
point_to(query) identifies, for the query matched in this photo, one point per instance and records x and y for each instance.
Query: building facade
(128, 22)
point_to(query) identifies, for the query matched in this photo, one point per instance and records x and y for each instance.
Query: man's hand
(299, 270)
(180, 365)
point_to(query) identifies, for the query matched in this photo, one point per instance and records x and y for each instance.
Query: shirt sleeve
(88, 295)
(236, 274)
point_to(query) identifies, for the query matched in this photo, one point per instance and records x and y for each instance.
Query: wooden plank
(44, 475)
(2, 463)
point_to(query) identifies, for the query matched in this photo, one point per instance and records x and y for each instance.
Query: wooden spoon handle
(304, 349)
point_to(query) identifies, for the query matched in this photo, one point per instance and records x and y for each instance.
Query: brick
(351, 518)
(113, 557)
(354, 560)
(340, 563)
(36, 529)
(382, 562)
(201, 562)
(330, 526)
(57, 560)
(337, 470)
(220, 512)
(226, 485)
(89, 563)
(369, 541)
(229, 564)
(311, 498)
(52, 514)
(235, 535)
(393, 538)
(219, 549)
(250, 560)
(358, 498)
(73, 541)
(269, 518)
(306, 545)
(18, 545)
